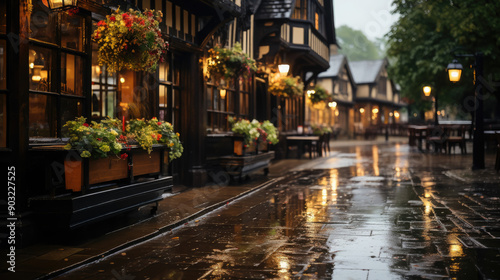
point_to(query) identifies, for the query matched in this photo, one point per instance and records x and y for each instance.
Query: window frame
(55, 90)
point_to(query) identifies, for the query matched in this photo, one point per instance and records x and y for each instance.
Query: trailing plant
(130, 40)
(286, 86)
(230, 63)
(319, 95)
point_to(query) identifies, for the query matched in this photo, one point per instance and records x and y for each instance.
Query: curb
(159, 231)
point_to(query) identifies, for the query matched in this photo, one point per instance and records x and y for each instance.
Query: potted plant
(229, 63)
(286, 86)
(246, 133)
(130, 40)
(268, 135)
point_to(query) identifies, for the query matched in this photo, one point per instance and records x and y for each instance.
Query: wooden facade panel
(107, 169)
(298, 35)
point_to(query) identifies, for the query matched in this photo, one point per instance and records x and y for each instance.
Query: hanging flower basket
(230, 63)
(286, 86)
(130, 40)
(319, 95)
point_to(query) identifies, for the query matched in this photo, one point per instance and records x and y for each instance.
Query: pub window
(104, 89)
(169, 101)
(220, 105)
(56, 66)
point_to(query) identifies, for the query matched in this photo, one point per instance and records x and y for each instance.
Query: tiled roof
(274, 9)
(365, 71)
(335, 65)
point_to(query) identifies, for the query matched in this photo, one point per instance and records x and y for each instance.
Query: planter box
(237, 167)
(112, 168)
(144, 163)
(240, 149)
(263, 146)
(100, 170)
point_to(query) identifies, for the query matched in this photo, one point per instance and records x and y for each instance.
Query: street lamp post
(454, 71)
(427, 92)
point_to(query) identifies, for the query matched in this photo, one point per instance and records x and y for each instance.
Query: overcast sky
(373, 17)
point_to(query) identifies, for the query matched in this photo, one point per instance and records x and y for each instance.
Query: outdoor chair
(456, 136)
(436, 136)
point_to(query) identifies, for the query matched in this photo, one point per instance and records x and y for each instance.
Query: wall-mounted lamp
(332, 104)
(62, 4)
(284, 68)
(362, 110)
(375, 110)
(396, 114)
(122, 80)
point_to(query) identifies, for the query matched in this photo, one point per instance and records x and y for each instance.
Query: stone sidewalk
(182, 206)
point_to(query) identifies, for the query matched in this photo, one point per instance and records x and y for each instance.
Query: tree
(422, 43)
(355, 45)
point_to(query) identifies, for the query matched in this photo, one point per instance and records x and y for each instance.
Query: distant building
(338, 81)
(377, 100)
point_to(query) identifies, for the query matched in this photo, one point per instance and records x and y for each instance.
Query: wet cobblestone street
(365, 212)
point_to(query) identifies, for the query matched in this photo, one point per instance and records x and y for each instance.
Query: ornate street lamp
(62, 4)
(454, 71)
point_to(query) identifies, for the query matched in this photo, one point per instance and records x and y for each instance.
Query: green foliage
(356, 46)
(230, 63)
(271, 132)
(100, 140)
(150, 132)
(422, 43)
(96, 140)
(286, 86)
(319, 95)
(254, 130)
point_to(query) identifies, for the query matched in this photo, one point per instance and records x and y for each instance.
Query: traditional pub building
(50, 74)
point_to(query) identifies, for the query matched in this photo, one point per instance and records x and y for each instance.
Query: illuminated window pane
(3, 120)
(71, 74)
(40, 68)
(72, 31)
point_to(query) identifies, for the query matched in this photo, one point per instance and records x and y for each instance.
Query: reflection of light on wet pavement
(376, 170)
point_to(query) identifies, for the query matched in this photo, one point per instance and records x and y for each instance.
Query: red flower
(159, 123)
(124, 156)
(99, 139)
(112, 18)
(86, 124)
(101, 23)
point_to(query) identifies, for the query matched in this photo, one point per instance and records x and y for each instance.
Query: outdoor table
(300, 142)
(417, 133)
